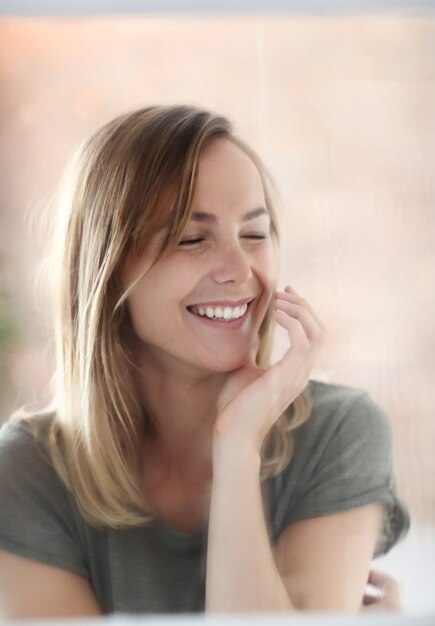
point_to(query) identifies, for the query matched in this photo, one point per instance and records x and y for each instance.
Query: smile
(223, 314)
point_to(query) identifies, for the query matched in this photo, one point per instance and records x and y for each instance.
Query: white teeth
(227, 313)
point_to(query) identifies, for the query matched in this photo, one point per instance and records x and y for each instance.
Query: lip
(222, 303)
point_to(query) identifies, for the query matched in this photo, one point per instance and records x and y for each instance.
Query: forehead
(227, 181)
(226, 175)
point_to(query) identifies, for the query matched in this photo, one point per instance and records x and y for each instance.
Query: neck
(181, 405)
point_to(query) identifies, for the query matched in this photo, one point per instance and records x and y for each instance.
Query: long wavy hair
(109, 210)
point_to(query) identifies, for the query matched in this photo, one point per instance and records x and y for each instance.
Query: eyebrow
(200, 216)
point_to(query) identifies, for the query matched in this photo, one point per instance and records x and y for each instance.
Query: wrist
(232, 458)
(230, 433)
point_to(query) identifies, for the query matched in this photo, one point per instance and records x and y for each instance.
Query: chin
(226, 365)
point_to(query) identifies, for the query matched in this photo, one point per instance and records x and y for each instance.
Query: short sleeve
(344, 460)
(36, 520)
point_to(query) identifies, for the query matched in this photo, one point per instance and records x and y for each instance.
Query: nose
(231, 265)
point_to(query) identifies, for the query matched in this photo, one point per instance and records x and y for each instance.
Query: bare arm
(325, 561)
(320, 563)
(31, 590)
(241, 571)
(317, 564)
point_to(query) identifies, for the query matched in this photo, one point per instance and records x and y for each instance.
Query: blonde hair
(109, 212)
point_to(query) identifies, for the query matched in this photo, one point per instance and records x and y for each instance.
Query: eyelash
(187, 242)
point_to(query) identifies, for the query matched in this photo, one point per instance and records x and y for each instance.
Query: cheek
(269, 277)
(268, 269)
(158, 296)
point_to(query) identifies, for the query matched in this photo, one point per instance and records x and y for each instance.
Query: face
(201, 306)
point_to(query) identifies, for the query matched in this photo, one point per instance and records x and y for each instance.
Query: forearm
(241, 571)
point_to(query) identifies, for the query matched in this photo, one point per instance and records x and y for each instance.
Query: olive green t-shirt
(343, 458)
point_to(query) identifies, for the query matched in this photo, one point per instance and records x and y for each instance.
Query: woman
(179, 470)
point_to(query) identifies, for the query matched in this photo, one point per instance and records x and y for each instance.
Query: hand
(252, 399)
(387, 597)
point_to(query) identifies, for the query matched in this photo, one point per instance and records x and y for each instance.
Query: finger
(313, 330)
(371, 603)
(386, 583)
(298, 337)
(293, 296)
(388, 592)
(306, 337)
(369, 600)
(377, 577)
(291, 289)
(292, 372)
(301, 302)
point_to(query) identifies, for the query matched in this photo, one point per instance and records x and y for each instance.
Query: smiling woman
(178, 468)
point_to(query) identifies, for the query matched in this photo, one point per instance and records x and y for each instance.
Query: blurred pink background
(341, 109)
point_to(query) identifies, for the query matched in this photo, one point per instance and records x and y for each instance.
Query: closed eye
(189, 242)
(257, 237)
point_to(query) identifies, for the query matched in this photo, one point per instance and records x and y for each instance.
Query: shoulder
(24, 443)
(342, 459)
(25, 465)
(341, 410)
(332, 398)
(38, 517)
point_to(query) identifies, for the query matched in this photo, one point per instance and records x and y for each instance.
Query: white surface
(76, 7)
(280, 620)
(375, 619)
